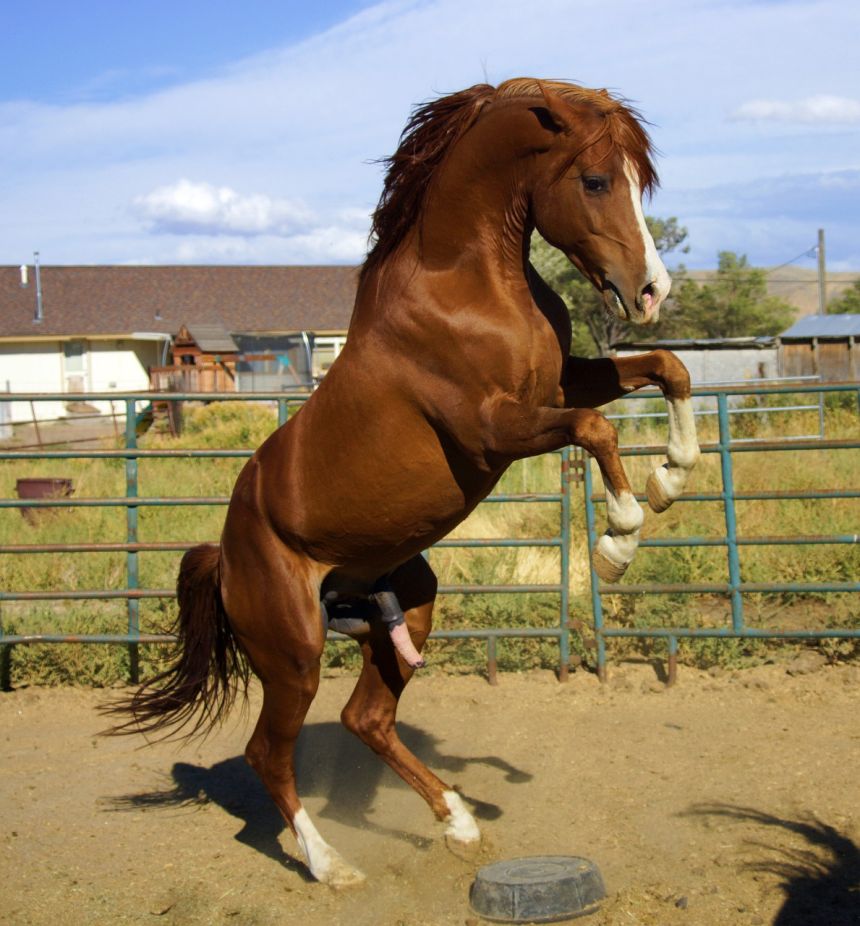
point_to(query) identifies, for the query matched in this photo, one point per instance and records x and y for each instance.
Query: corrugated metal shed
(824, 326)
(750, 343)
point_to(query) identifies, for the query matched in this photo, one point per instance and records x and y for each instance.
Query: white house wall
(109, 366)
(121, 365)
(32, 367)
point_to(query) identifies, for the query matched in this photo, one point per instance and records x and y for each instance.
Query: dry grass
(238, 425)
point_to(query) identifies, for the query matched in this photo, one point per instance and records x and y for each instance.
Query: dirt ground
(732, 798)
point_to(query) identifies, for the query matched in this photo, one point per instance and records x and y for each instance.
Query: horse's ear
(554, 114)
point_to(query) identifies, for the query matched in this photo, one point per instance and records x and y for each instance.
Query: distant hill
(797, 285)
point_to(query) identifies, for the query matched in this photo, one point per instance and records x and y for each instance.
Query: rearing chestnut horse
(456, 365)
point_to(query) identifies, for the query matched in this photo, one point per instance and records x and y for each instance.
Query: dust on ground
(731, 798)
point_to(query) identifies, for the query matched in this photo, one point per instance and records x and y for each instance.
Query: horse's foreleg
(615, 549)
(512, 431)
(371, 711)
(596, 382)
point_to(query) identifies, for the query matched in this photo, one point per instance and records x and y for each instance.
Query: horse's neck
(469, 248)
(476, 213)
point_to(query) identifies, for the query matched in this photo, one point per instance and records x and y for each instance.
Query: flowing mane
(435, 127)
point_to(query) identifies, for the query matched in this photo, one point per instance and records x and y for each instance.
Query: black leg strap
(389, 607)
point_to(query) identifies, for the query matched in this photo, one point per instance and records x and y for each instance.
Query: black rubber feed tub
(537, 889)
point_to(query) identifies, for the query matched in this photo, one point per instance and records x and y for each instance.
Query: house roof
(824, 326)
(116, 301)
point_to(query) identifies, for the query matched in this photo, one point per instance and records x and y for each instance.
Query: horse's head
(586, 200)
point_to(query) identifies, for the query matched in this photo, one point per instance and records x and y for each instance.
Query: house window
(74, 356)
(74, 364)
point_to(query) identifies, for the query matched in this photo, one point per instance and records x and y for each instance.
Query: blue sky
(212, 132)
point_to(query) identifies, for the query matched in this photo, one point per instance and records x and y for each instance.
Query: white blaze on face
(655, 271)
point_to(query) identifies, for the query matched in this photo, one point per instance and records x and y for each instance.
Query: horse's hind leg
(370, 712)
(288, 664)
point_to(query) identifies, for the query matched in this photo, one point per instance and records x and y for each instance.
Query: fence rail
(733, 587)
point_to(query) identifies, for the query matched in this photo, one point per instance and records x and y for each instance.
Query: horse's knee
(255, 756)
(671, 373)
(595, 433)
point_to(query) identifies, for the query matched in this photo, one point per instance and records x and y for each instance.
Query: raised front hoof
(658, 498)
(606, 569)
(466, 849)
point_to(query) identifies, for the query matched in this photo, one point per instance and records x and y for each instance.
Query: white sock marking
(682, 447)
(461, 824)
(325, 863)
(625, 516)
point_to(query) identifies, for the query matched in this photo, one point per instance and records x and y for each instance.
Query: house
(204, 360)
(717, 360)
(105, 328)
(820, 346)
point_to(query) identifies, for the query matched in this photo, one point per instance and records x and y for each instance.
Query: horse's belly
(381, 510)
(383, 529)
(356, 484)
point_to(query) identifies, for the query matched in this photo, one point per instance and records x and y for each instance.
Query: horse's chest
(538, 374)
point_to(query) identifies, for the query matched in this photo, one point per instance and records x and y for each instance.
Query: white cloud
(813, 109)
(290, 134)
(195, 222)
(189, 207)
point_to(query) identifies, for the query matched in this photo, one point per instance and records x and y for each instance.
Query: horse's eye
(595, 184)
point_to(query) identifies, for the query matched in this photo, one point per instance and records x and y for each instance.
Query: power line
(809, 252)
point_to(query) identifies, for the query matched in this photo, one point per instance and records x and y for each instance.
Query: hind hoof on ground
(658, 498)
(342, 877)
(606, 569)
(466, 849)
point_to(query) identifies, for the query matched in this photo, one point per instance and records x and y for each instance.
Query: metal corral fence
(572, 468)
(735, 588)
(133, 593)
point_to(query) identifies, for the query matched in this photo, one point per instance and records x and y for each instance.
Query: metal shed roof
(824, 326)
(213, 339)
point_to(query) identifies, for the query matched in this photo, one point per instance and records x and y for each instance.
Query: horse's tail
(208, 669)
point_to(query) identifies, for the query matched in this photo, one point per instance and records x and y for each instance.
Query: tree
(735, 304)
(595, 330)
(846, 302)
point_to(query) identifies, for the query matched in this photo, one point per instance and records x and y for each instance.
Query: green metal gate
(132, 547)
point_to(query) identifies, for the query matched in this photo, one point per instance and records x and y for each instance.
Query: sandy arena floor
(730, 799)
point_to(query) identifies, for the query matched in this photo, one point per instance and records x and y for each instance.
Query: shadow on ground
(819, 873)
(331, 763)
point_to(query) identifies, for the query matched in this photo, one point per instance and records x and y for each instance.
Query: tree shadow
(821, 881)
(330, 762)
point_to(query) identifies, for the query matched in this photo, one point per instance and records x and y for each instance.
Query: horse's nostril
(648, 290)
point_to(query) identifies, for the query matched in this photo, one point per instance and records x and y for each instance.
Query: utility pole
(822, 275)
(37, 320)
